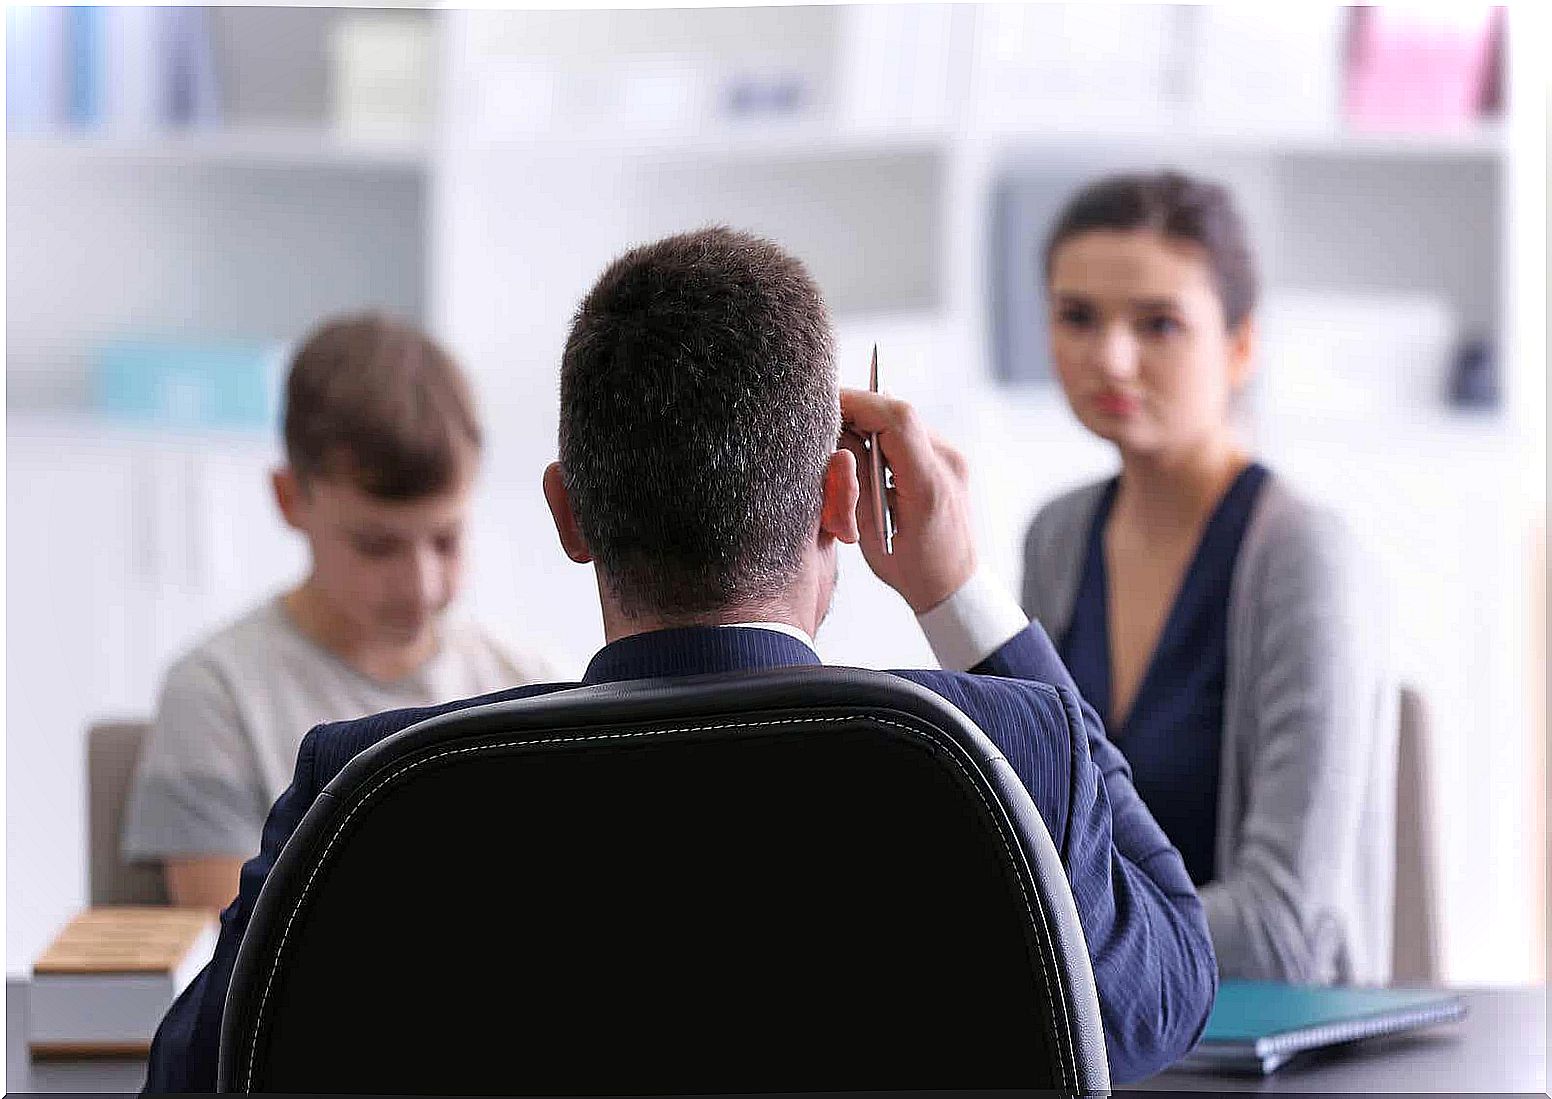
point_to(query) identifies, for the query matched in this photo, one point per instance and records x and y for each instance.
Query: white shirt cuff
(973, 623)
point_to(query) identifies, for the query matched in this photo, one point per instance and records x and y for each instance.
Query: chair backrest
(112, 748)
(1415, 938)
(790, 880)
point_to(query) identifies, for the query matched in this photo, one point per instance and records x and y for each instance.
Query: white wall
(123, 547)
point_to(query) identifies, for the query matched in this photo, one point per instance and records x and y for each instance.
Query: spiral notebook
(1256, 1026)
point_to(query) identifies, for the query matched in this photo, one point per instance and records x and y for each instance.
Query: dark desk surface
(1500, 1047)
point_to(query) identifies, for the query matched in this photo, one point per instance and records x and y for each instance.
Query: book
(193, 91)
(86, 63)
(381, 69)
(1429, 70)
(131, 69)
(226, 383)
(135, 93)
(104, 983)
(37, 75)
(1256, 1026)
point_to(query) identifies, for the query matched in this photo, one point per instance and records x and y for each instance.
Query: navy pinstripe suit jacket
(1146, 932)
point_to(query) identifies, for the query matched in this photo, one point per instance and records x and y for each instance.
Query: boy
(382, 445)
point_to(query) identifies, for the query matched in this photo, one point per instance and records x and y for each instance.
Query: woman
(1216, 619)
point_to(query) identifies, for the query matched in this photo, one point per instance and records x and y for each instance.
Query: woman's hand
(934, 549)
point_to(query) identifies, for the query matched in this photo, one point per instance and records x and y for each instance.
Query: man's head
(382, 443)
(698, 427)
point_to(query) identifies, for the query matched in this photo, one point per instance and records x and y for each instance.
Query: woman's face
(1139, 340)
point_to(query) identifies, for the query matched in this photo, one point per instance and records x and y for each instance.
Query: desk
(1499, 1047)
(117, 1074)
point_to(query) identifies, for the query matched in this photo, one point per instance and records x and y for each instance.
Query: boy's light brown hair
(374, 400)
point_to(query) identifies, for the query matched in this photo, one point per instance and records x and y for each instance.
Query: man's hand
(934, 550)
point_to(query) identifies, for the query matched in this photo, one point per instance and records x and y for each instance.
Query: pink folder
(1422, 70)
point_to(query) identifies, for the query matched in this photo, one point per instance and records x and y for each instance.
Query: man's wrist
(972, 623)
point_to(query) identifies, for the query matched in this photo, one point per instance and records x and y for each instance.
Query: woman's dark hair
(1177, 207)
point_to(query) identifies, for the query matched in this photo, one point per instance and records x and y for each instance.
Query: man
(382, 445)
(700, 473)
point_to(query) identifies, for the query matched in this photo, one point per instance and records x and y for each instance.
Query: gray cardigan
(1306, 799)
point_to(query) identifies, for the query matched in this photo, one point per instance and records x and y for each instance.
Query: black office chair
(793, 880)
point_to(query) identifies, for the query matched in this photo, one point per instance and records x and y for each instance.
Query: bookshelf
(252, 146)
(317, 146)
(1182, 129)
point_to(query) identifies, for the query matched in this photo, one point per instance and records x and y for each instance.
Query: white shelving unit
(490, 237)
(803, 139)
(247, 147)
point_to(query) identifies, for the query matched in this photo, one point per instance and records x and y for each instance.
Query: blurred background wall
(188, 190)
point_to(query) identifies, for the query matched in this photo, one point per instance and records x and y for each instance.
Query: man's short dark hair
(374, 400)
(698, 409)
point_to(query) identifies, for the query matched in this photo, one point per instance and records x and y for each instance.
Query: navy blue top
(1173, 734)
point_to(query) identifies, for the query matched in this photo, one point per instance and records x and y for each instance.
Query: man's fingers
(952, 457)
(935, 551)
(869, 411)
(906, 444)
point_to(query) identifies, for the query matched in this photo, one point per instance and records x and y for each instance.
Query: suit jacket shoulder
(335, 744)
(1030, 723)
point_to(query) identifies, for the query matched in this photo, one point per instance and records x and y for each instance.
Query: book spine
(135, 96)
(194, 97)
(86, 65)
(35, 56)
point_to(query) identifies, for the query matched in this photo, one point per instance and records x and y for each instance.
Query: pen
(881, 513)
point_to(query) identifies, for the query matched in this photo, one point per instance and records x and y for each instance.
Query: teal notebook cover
(1257, 1025)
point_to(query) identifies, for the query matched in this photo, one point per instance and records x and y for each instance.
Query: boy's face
(390, 567)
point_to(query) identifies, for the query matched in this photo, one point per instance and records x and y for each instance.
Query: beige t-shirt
(233, 712)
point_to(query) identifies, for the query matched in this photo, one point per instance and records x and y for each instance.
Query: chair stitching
(1029, 909)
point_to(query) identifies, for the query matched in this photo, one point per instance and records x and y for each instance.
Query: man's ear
(838, 506)
(555, 495)
(288, 496)
(1243, 343)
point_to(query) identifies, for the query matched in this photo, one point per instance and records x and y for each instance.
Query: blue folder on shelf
(230, 384)
(1257, 1025)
